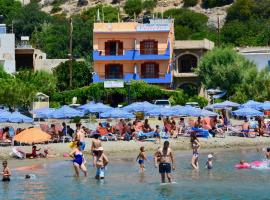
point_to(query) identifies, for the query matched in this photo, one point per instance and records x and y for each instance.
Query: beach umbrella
(65, 112)
(43, 112)
(264, 106)
(4, 116)
(82, 107)
(192, 111)
(140, 107)
(225, 104)
(117, 113)
(207, 113)
(247, 112)
(161, 111)
(32, 135)
(96, 108)
(17, 117)
(252, 104)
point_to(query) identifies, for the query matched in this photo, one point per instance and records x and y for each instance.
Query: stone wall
(48, 64)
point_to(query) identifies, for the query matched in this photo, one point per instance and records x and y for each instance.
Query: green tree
(9, 8)
(81, 75)
(43, 81)
(149, 5)
(133, 6)
(188, 24)
(30, 19)
(241, 10)
(215, 3)
(190, 3)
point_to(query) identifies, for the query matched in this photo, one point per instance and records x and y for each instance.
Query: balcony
(163, 78)
(184, 74)
(132, 54)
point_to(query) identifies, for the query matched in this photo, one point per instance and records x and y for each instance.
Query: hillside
(71, 7)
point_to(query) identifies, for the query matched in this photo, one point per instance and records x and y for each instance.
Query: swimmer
(267, 154)
(243, 162)
(100, 162)
(166, 161)
(78, 160)
(141, 158)
(195, 145)
(6, 172)
(209, 162)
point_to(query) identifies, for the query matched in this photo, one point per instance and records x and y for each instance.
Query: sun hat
(210, 156)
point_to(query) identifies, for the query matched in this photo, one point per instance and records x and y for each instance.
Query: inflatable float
(242, 166)
(254, 164)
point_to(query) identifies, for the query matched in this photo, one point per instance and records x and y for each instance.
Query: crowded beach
(121, 131)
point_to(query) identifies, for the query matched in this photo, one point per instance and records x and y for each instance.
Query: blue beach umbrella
(225, 104)
(43, 112)
(139, 107)
(247, 112)
(117, 113)
(191, 111)
(17, 117)
(4, 116)
(96, 108)
(161, 111)
(65, 112)
(82, 107)
(207, 113)
(252, 104)
(265, 105)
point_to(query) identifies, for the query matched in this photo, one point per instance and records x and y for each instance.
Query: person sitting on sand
(34, 152)
(246, 130)
(141, 158)
(5, 135)
(100, 162)
(146, 126)
(78, 160)
(6, 172)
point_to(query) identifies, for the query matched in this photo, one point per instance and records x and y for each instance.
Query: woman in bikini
(164, 156)
(195, 145)
(78, 160)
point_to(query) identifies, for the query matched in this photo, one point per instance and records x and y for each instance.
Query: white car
(163, 102)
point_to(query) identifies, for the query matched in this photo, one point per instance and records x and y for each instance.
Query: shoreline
(123, 149)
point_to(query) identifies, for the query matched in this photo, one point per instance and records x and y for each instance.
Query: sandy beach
(120, 149)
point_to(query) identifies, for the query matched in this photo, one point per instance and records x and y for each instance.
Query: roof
(194, 44)
(257, 49)
(155, 25)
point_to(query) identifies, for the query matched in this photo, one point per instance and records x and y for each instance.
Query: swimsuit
(5, 179)
(82, 146)
(100, 173)
(78, 159)
(141, 162)
(165, 168)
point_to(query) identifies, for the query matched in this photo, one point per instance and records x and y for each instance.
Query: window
(113, 71)
(186, 63)
(149, 47)
(113, 48)
(150, 70)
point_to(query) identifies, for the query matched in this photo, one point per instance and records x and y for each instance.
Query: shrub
(215, 3)
(149, 5)
(133, 6)
(190, 3)
(55, 9)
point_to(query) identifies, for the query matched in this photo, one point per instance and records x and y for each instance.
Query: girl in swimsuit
(6, 172)
(100, 162)
(78, 160)
(141, 158)
(195, 145)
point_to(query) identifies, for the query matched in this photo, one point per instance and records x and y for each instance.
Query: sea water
(123, 181)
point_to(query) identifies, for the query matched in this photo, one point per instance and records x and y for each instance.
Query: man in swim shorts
(6, 172)
(166, 161)
(80, 136)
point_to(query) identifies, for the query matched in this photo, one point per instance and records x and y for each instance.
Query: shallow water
(55, 181)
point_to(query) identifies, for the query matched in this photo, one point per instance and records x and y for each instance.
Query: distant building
(7, 49)
(187, 54)
(134, 51)
(259, 55)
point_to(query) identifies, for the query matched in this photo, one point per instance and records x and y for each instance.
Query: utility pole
(218, 28)
(70, 52)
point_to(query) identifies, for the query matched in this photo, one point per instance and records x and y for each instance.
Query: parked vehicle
(193, 104)
(163, 102)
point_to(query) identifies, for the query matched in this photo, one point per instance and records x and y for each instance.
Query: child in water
(6, 172)
(267, 154)
(141, 158)
(209, 162)
(100, 162)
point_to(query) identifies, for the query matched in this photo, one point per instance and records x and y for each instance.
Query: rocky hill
(76, 6)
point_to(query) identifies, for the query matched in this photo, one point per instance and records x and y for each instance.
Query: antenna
(98, 16)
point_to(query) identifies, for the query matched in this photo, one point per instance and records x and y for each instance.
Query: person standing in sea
(195, 145)
(164, 156)
(80, 136)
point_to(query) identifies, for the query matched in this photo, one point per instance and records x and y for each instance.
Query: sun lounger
(143, 135)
